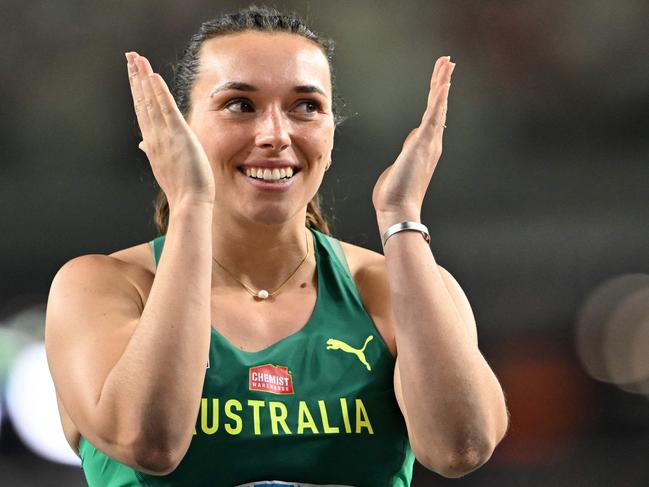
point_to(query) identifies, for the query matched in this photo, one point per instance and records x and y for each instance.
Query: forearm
(154, 389)
(452, 398)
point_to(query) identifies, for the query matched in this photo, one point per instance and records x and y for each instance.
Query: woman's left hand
(401, 188)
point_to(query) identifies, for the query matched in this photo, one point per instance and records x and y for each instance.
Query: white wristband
(407, 225)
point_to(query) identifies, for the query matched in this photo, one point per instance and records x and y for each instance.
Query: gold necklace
(262, 293)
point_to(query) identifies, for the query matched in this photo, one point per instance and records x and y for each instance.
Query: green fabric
(340, 424)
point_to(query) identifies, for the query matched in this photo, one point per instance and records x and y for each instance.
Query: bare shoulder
(132, 267)
(139, 255)
(358, 258)
(369, 272)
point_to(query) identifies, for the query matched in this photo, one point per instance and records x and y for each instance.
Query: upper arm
(92, 311)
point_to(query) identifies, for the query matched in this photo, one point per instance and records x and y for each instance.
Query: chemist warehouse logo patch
(271, 378)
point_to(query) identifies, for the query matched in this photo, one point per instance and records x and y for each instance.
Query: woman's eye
(240, 105)
(307, 106)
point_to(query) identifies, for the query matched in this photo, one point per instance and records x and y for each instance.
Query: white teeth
(267, 174)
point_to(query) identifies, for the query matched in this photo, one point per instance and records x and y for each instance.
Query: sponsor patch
(271, 378)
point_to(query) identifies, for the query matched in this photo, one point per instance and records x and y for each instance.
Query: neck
(259, 254)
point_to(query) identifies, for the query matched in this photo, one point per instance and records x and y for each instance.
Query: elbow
(155, 455)
(461, 463)
(143, 448)
(156, 461)
(457, 462)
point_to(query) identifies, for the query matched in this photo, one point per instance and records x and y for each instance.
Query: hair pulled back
(253, 18)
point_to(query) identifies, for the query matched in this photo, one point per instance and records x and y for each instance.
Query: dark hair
(253, 18)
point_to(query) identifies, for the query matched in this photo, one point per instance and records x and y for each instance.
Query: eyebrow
(233, 85)
(308, 89)
(239, 86)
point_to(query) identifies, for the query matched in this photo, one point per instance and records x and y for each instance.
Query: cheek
(318, 144)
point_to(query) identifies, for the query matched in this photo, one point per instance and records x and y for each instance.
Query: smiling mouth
(269, 175)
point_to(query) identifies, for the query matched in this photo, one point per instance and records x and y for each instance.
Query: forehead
(268, 60)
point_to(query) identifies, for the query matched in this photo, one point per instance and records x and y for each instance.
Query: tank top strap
(338, 252)
(156, 247)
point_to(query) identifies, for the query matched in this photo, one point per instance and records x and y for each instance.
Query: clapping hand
(177, 158)
(400, 190)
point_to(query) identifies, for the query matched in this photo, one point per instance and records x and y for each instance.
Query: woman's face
(262, 102)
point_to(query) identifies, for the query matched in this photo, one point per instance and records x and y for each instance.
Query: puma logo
(334, 344)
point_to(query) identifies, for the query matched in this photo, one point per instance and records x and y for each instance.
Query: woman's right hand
(177, 158)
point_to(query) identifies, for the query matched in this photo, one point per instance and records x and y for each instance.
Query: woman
(246, 345)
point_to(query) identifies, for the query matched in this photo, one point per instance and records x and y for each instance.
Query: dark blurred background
(538, 206)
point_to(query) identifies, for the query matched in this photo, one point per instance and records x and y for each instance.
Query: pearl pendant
(263, 294)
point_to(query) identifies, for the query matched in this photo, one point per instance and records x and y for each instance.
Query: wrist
(387, 219)
(190, 205)
(405, 226)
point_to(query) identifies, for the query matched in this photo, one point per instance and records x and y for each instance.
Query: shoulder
(367, 269)
(137, 257)
(128, 271)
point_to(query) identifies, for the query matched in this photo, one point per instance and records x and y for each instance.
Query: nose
(272, 131)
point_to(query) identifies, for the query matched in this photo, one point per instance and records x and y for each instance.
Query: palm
(403, 184)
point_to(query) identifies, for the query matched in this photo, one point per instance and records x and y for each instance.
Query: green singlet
(315, 408)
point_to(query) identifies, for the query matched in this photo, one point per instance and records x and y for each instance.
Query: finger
(151, 101)
(440, 76)
(437, 69)
(135, 80)
(434, 119)
(168, 107)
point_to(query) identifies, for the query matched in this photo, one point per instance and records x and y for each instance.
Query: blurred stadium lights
(31, 404)
(26, 386)
(612, 333)
(29, 320)
(12, 341)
